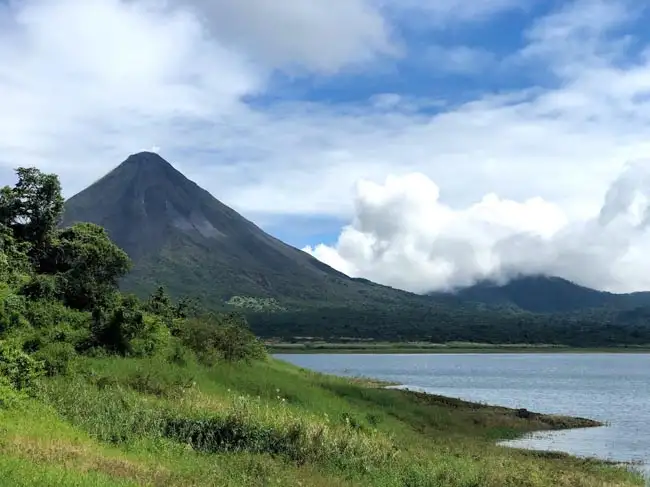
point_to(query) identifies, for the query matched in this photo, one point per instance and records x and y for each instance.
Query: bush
(40, 286)
(8, 395)
(58, 358)
(235, 342)
(114, 329)
(34, 340)
(225, 337)
(19, 369)
(179, 354)
(153, 339)
(251, 426)
(128, 331)
(46, 314)
(12, 311)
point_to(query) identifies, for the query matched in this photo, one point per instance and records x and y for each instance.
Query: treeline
(439, 324)
(59, 297)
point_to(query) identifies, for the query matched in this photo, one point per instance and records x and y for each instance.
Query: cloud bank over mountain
(402, 235)
(288, 110)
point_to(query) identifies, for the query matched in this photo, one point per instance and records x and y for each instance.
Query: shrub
(234, 341)
(114, 329)
(40, 286)
(179, 354)
(253, 427)
(34, 340)
(9, 396)
(58, 358)
(46, 314)
(12, 311)
(18, 368)
(153, 339)
(226, 337)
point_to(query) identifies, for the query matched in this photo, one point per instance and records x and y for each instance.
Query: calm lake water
(613, 388)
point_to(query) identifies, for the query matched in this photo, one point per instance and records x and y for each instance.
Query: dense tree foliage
(59, 297)
(87, 265)
(32, 209)
(598, 327)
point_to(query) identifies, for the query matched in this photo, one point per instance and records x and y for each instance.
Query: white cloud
(83, 84)
(323, 35)
(582, 34)
(402, 235)
(458, 59)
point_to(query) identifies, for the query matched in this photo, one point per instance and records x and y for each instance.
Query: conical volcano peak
(147, 168)
(146, 157)
(178, 234)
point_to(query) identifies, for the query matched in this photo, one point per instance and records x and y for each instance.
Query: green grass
(120, 422)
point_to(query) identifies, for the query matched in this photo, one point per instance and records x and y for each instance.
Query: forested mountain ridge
(544, 294)
(179, 236)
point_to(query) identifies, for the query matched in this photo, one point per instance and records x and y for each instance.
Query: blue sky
(420, 143)
(454, 64)
(449, 65)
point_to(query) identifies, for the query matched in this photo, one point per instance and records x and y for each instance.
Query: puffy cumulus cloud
(404, 236)
(592, 111)
(84, 84)
(318, 34)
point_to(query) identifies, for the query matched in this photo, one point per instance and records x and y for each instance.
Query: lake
(612, 388)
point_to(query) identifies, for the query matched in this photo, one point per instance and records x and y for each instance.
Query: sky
(423, 144)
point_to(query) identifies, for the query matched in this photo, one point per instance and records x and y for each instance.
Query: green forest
(60, 296)
(428, 322)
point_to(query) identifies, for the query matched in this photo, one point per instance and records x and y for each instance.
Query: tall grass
(268, 423)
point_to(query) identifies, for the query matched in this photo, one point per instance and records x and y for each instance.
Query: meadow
(126, 422)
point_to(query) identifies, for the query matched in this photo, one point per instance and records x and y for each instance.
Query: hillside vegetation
(180, 236)
(543, 294)
(100, 388)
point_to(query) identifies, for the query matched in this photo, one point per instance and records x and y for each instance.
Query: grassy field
(426, 347)
(128, 422)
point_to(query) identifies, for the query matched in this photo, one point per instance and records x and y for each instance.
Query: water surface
(612, 388)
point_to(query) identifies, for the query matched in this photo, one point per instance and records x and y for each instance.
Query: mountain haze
(179, 235)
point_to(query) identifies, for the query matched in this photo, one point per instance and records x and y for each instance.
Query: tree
(14, 262)
(115, 329)
(87, 264)
(32, 209)
(217, 336)
(160, 303)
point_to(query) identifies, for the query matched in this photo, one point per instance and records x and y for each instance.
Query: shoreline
(554, 423)
(332, 431)
(531, 422)
(414, 349)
